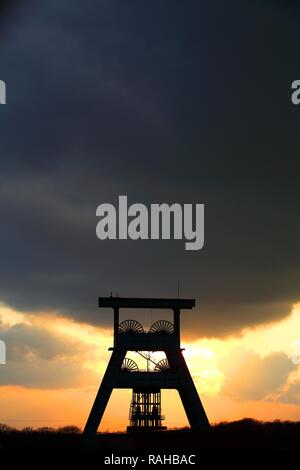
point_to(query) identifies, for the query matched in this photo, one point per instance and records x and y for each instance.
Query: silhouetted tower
(170, 373)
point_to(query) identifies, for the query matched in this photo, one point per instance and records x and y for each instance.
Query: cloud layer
(199, 111)
(40, 358)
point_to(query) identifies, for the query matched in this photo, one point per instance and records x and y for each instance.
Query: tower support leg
(104, 392)
(188, 393)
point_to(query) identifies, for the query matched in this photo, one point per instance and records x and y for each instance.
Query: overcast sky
(168, 101)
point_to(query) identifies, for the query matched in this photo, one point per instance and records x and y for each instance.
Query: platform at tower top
(151, 303)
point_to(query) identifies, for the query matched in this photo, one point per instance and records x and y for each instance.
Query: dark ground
(244, 435)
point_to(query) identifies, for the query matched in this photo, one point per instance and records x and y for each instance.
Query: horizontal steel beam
(165, 380)
(132, 302)
(148, 342)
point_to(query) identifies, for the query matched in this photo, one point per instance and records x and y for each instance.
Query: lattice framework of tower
(169, 373)
(145, 410)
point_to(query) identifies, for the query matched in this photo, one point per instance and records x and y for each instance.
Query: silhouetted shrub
(6, 429)
(69, 430)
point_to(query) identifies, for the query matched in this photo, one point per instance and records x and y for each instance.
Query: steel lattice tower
(170, 373)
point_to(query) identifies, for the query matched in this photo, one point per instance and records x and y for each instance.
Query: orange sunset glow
(55, 367)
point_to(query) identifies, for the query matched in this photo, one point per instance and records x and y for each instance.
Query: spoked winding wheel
(162, 366)
(129, 365)
(162, 326)
(130, 326)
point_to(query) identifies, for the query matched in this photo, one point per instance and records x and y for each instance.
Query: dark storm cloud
(7, 8)
(162, 102)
